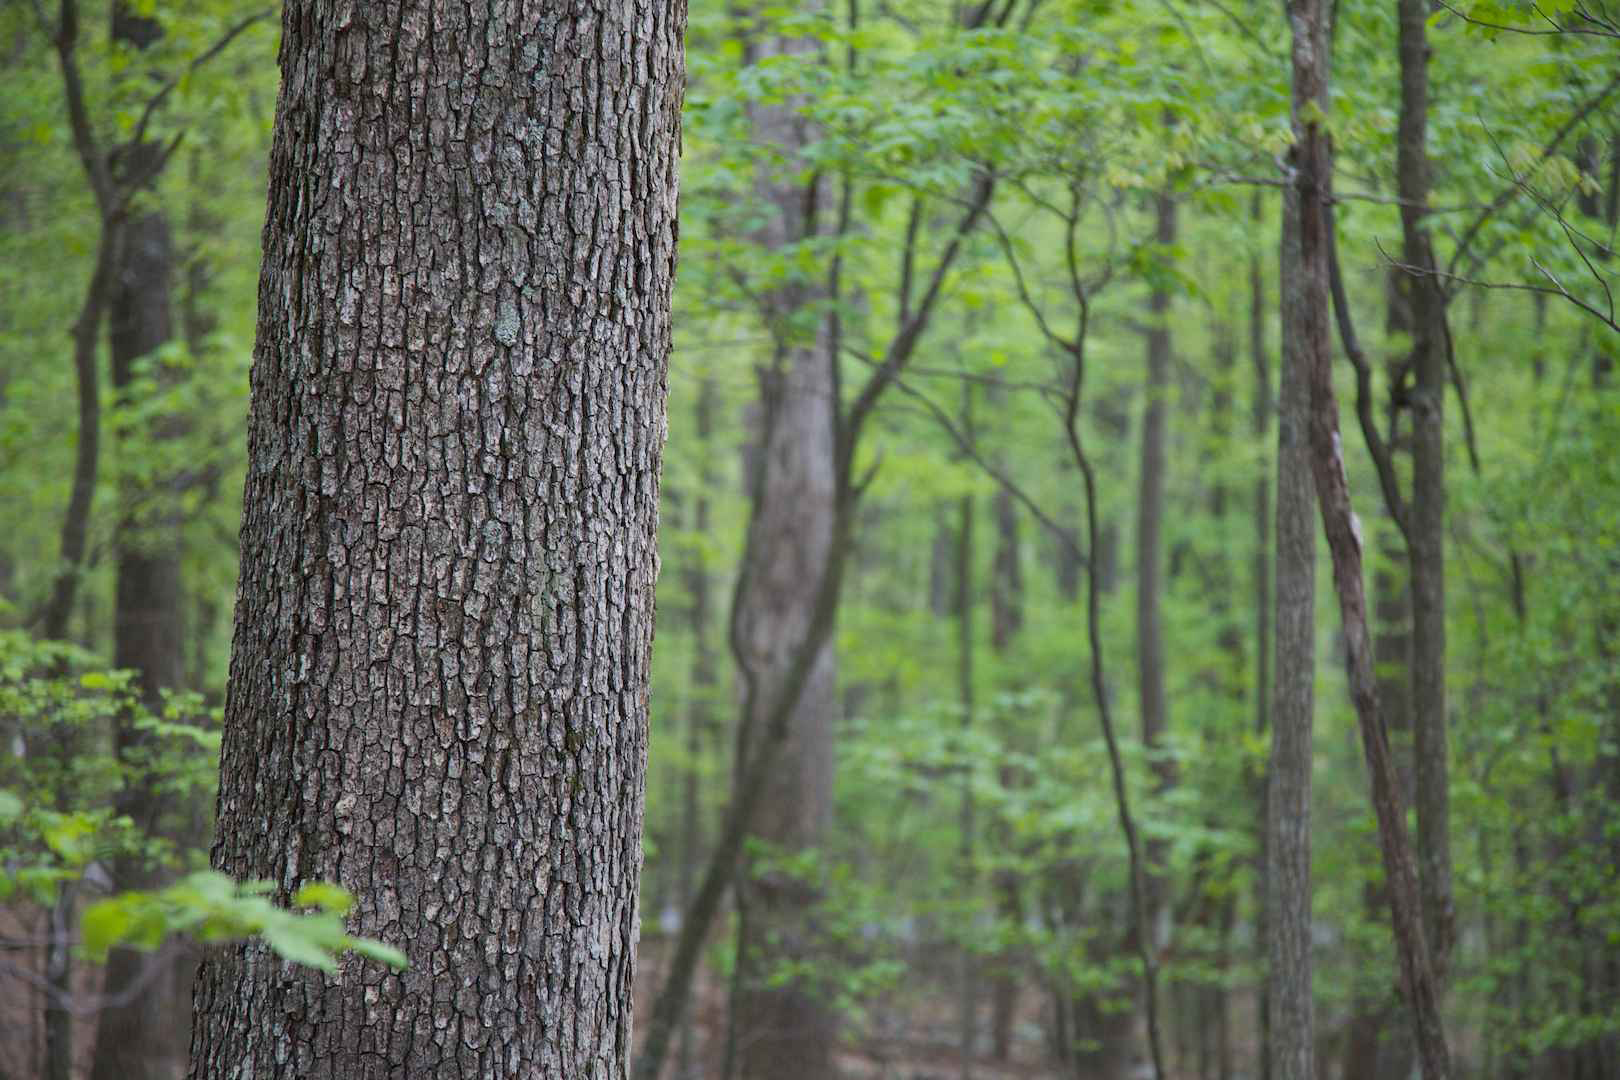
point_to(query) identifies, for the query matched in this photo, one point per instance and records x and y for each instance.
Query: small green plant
(60, 779)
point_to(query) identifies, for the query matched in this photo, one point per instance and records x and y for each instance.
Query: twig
(1376, 446)
(198, 61)
(1506, 194)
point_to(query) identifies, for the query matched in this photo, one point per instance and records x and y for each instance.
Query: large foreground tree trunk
(439, 676)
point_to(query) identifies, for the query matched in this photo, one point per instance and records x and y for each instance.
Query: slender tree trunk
(1151, 697)
(700, 719)
(1313, 187)
(718, 876)
(1292, 1047)
(1260, 425)
(1006, 619)
(1426, 534)
(1219, 579)
(439, 675)
(786, 1028)
(967, 1018)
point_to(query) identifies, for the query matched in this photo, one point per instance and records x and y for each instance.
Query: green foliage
(59, 824)
(208, 906)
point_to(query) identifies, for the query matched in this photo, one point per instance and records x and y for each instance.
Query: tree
(785, 1026)
(439, 675)
(146, 1037)
(1290, 1020)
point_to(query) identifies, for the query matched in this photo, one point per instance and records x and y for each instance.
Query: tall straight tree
(1426, 547)
(1302, 284)
(784, 1028)
(438, 684)
(1152, 698)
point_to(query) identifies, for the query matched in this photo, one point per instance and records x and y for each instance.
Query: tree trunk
(1292, 1047)
(439, 675)
(700, 713)
(1312, 186)
(967, 1010)
(785, 1028)
(1150, 663)
(1006, 619)
(1260, 424)
(146, 1038)
(1426, 533)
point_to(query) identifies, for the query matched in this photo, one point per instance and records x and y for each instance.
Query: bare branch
(198, 61)
(1506, 194)
(1376, 446)
(905, 340)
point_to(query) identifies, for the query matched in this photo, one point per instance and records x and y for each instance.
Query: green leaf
(319, 894)
(376, 950)
(11, 807)
(291, 942)
(105, 923)
(66, 834)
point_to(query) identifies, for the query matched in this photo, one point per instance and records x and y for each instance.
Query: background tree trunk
(1426, 545)
(1260, 424)
(1006, 620)
(1291, 1050)
(146, 1038)
(439, 677)
(701, 723)
(1152, 700)
(786, 1028)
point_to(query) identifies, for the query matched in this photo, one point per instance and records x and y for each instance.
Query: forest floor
(908, 1035)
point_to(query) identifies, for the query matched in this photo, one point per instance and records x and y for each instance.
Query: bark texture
(439, 675)
(1290, 1016)
(1303, 285)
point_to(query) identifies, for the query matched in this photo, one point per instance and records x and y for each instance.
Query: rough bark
(1426, 534)
(785, 1028)
(1292, 1044)
(438, 681)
